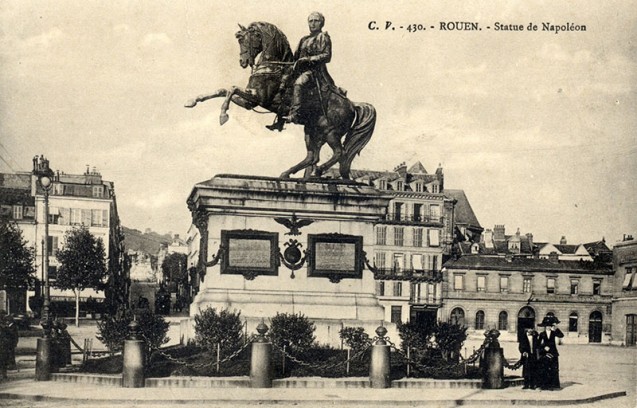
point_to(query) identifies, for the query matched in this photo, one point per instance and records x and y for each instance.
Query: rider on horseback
(312, 55)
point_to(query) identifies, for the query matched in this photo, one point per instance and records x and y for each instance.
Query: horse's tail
(359, 134)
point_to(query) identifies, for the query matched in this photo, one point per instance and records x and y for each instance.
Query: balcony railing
(413, 275)
(413, 219)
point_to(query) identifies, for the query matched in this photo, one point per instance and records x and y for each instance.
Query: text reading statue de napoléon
(298, 88)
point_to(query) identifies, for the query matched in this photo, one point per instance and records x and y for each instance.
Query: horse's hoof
(190, 104)
(223, 119)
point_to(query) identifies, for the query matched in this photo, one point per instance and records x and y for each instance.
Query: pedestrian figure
(528, 349)
(549, 366)
(6, 344)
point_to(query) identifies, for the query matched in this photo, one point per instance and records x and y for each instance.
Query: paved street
(598, 369)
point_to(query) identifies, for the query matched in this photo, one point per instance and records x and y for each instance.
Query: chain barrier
(514, 366)
(203, 365)
(322, 366)
(408, 360)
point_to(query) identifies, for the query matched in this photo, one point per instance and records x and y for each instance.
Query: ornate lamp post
(44, 174)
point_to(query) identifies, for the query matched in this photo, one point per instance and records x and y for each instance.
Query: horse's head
(250, 45)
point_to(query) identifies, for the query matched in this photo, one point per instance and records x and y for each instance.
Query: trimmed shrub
(293, 330)
(112, 331)
(355, 338)
(223, 327)
(450, 338)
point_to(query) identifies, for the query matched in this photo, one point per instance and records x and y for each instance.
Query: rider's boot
(294, 116)
(277, 124)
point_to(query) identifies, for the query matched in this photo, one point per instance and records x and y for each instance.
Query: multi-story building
(624, 327)
(414, 238)
(503, 283)
(74, 199)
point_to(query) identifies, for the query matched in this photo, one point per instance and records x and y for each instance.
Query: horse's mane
(277, 43)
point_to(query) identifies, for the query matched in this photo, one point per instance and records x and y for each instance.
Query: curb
(456, 402)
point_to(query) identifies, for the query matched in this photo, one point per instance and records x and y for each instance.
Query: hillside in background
(148, 242)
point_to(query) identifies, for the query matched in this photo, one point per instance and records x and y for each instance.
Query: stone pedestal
(293, 213)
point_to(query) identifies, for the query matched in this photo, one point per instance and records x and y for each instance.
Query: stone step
(111, 380)
(198, 382)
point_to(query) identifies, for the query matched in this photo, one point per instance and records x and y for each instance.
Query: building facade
(414, 238)
(74, 200)
(624, 327)
(503, 283)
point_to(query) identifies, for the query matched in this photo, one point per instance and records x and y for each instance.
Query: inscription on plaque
(249, 251)
(335, 256)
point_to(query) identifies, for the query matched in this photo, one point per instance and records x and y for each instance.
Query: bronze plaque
(335, 256)
(249, 251)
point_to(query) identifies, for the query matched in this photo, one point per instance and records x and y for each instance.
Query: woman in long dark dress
(549, 366)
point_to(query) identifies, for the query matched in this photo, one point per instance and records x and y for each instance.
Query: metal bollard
(493, 362)
(133, 371)
(261, 361)
(43, 360)
(380, 361)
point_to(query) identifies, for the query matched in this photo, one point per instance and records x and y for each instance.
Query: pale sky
(538, 128)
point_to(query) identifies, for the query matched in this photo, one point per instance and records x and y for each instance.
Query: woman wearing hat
(549, 367)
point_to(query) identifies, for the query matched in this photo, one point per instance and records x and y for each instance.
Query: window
(379, 260)
(416, 262)
(457, 316)
(96, 218)
(433, 263)
(399, 186)
(572, 322)
(503, 321)
(17, 212)
(431, 292)
(526, 285)
(434, 237)
(479, 320)
(398, 236)
(381, 235)
(482, 283)
(417, 237)
(98, 191)
(434, 188)
(380, 288)
(52, 245)
(86, 217)
(398, 262)
(597, 287)
(574, 286)
(76, 216)
(458, 282)
(434, 213)
(417, 212)
(398, 288)
(550, 285)
(504, 284)
(398, 211)
(629, 278)
(396, 314)
(382, 184)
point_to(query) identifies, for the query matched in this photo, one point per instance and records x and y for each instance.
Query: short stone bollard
(493, 362)
(43, 359)
(380, 364)
(261, 372)
(133, 371)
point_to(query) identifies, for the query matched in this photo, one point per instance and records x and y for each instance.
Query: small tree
(293, 330)
(223, 328)
(82, 264)
(16, 259)
(450, 337)
(174, 268)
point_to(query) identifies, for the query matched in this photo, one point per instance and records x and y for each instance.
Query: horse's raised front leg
(202, 98)
(240, 97)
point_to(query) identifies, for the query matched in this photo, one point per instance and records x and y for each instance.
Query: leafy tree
(355, 338)
(450, 337)
(174, 268)
(293, 330)
(16, 258)
(82, 264)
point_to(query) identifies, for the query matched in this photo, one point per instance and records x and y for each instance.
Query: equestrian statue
(298, 88)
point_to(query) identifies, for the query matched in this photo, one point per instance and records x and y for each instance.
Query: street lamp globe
(45, 182)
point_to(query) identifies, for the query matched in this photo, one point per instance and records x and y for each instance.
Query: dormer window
(434, 188)
(475, 249)
(418, 187)
(399, 186)
(382, 184)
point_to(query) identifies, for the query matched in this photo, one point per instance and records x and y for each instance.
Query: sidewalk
(23, 386)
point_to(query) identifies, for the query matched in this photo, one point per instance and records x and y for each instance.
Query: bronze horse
(329, 116)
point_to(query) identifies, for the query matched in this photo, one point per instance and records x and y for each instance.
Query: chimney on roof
(563, 240)
(498, 233)
(628, 237)
(401, 169)
(529, 238)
